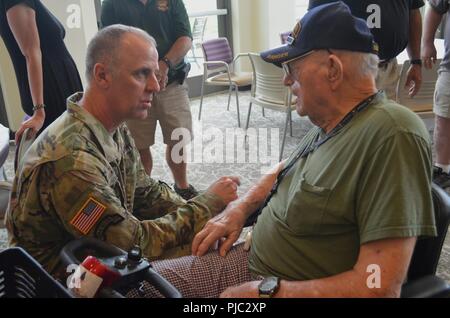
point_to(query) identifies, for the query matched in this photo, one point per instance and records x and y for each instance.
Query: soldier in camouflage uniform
(83, 176)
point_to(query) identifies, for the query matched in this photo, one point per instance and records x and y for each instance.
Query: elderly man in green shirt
(167, 22)
(350, 202)
(83, 176)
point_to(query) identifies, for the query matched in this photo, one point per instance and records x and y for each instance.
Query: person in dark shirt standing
(46, 73)
(168, 23)
(396, 25)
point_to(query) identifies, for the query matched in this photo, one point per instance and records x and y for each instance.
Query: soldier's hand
(225, 188)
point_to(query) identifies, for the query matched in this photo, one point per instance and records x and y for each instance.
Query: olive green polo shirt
(165, 20)
(372, 181)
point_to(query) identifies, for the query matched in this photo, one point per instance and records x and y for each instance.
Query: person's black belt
(171, 80)
(181, 75)
(384, 63)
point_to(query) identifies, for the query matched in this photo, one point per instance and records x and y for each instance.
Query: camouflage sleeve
(86, 206)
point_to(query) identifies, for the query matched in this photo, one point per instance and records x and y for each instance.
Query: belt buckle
(383, 63)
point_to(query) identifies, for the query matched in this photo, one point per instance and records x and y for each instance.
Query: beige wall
(79, 20)
(10, 91)
(257, 24)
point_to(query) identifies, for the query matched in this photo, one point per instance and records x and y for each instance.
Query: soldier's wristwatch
(269, 287)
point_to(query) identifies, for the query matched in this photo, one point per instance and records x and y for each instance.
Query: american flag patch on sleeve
(88, 215)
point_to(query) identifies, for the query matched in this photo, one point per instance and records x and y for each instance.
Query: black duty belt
(384, 63)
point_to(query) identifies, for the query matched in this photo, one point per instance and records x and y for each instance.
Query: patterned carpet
(212, 162)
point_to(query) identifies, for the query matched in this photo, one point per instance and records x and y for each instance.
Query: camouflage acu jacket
(78, 180)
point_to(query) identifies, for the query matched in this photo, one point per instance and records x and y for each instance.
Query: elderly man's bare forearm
(256, 195)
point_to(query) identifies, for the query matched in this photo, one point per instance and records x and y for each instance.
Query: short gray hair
(362, 65)
(368, 65)
(103, 48)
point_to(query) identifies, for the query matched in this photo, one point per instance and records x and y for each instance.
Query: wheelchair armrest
(426, 287)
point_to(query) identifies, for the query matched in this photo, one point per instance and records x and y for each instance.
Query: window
(301, 6)
(204, 17)
(206, 23)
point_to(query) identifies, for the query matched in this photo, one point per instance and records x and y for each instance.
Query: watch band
(168, 62)
(416, 62)
(262, 295)
(269, 287)
(38, 106)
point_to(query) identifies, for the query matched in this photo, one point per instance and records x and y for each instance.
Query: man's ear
(102, 76)
(335, 71)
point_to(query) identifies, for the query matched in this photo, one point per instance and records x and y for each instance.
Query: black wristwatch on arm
(168, 62)
(269, 287)
(416, 62)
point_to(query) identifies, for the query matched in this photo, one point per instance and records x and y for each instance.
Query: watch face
(268, 285)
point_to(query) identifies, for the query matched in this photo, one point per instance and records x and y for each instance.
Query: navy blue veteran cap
(328, 26)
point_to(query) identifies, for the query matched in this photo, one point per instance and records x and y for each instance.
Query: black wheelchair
(21, 276)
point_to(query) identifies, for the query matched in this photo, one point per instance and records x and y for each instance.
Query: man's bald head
(105, 46)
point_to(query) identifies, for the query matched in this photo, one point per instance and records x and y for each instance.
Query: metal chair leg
(263, 112)
(229, 97)
(290, 121)
(237, 107)
(284, 134)
(201, 100)
(248, 116)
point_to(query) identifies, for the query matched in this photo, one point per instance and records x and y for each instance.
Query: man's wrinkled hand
(247, 290)
(225, 228)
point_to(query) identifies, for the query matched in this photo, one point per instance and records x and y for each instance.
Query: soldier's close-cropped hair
(104, 46)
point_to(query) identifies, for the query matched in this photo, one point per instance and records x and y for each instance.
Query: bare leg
(442, 140)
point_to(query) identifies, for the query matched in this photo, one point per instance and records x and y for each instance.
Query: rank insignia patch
(88, 215)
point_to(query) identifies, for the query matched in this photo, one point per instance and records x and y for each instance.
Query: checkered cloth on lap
(201, 277)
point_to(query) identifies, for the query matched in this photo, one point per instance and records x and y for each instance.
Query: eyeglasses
(287, 66)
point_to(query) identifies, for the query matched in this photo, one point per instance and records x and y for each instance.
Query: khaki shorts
(171, 108)
(441, 105)
(387, 79)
